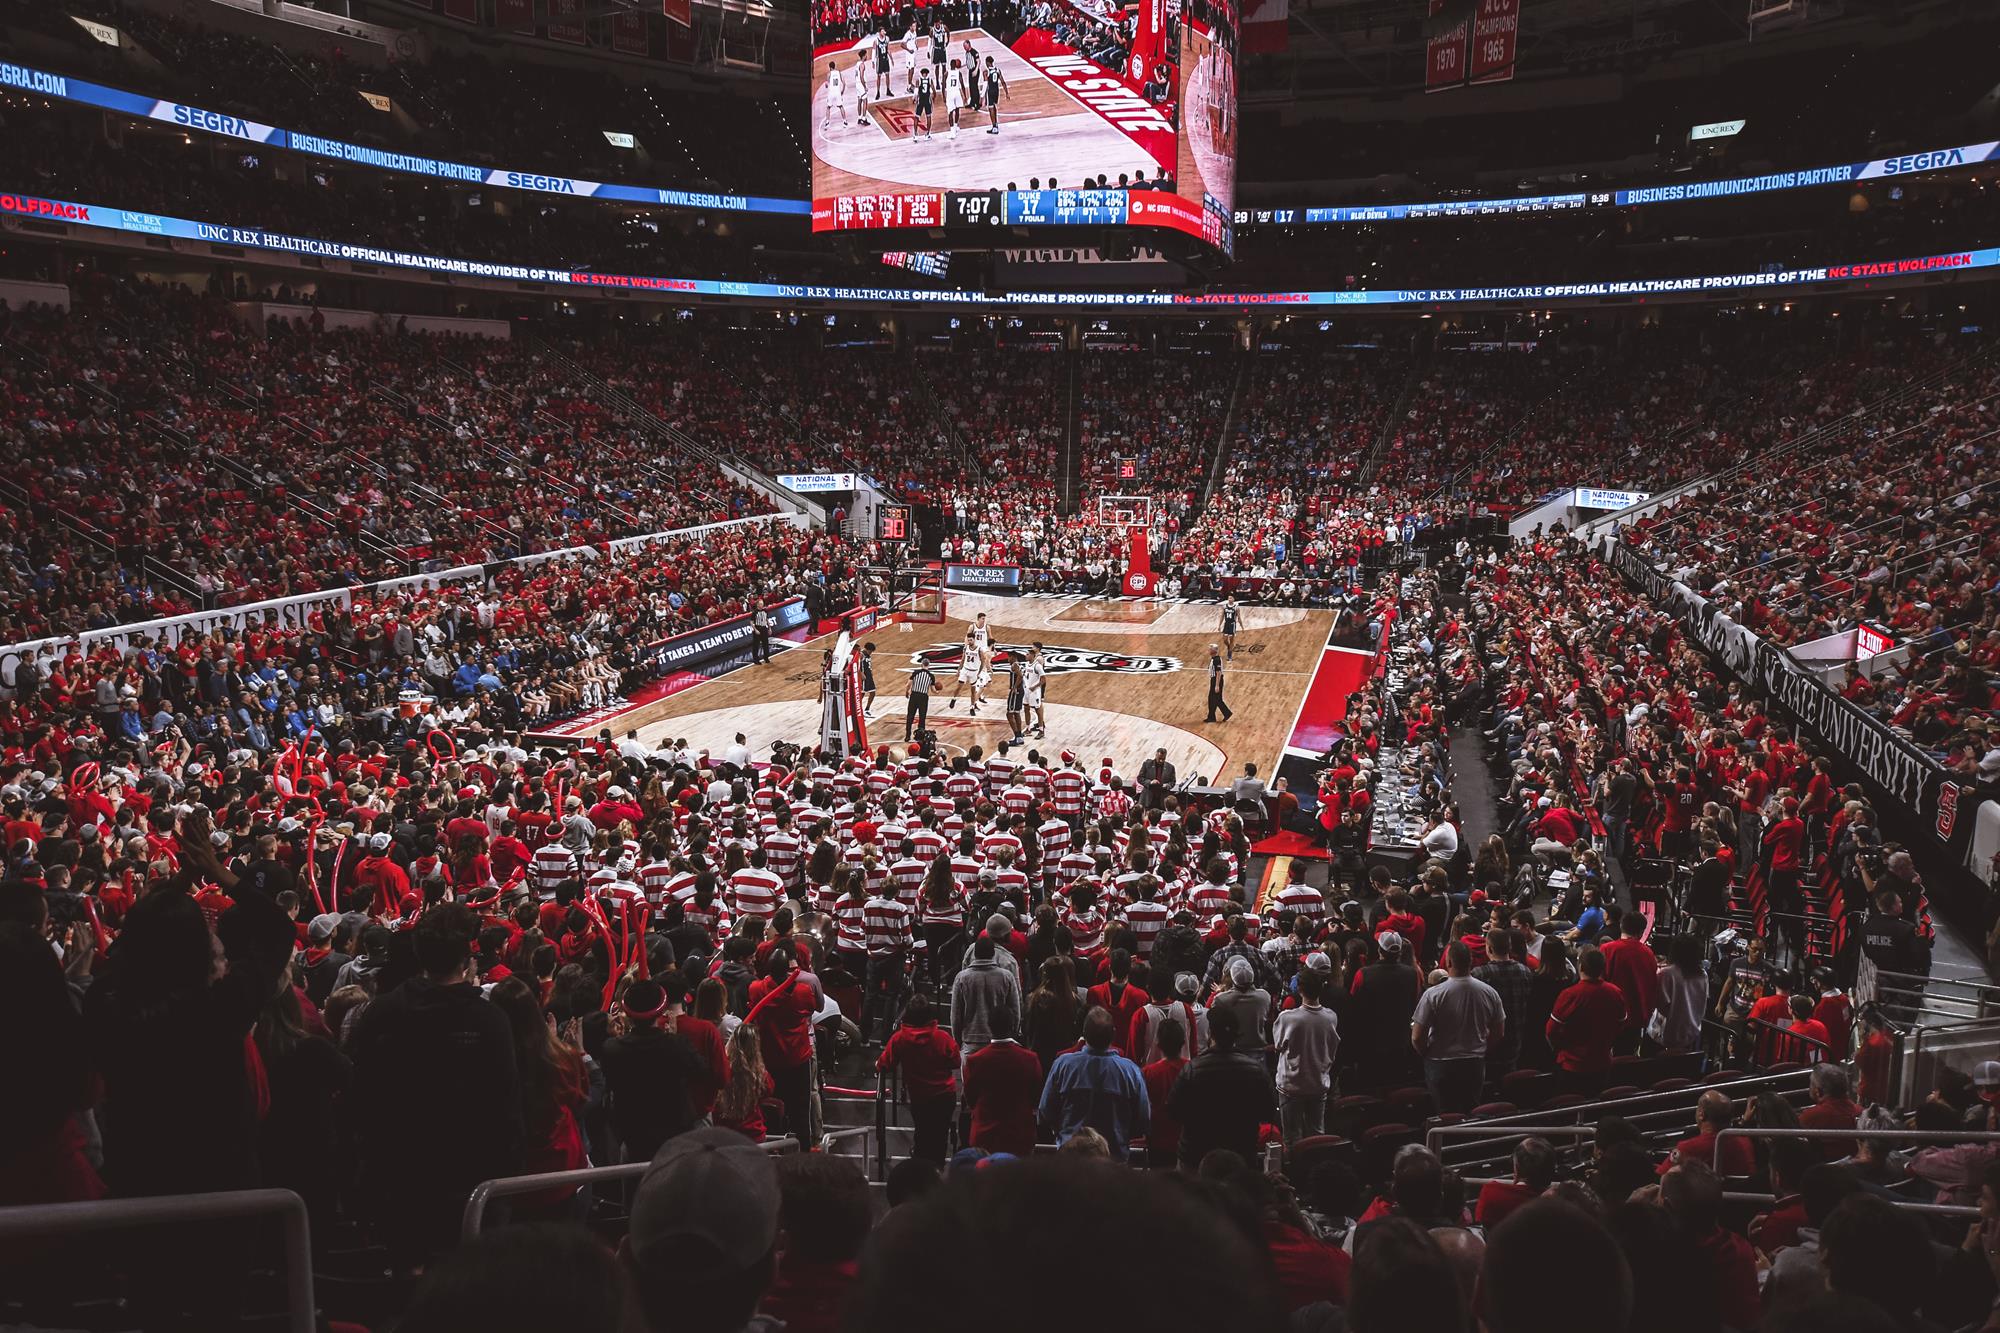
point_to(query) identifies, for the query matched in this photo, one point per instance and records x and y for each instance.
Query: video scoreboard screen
(1097, 113)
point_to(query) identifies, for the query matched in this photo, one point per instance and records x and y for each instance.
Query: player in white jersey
(836, 93)
(1033, 672)
(974, 655)
(954, 101)
(911, 44)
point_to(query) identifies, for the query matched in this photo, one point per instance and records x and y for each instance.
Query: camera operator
(1892, 935)
(1859, 844)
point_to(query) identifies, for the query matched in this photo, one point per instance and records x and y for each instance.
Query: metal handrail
(486, 1191)
(42, 1220)
(1437, 1133)
(1935, 1136)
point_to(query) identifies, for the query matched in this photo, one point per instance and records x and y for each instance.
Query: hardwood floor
(1115, 689)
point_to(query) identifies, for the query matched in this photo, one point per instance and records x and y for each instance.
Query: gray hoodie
(985, 988)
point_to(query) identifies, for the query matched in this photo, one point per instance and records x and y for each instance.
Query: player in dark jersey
(940, 53)
(921, 106)
(1231, 613)
(1017, 694)
(996, 88)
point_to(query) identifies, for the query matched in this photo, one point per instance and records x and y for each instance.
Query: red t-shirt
(1634, 969)
(1002, 1084)
(1585, 1020)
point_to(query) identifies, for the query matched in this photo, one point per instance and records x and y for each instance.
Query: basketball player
(940, 52)
(867, 680)
(910, 44)
(881, 63)
(835, 94)
(954, 97)
(1033, 673)
(1017, 694)
(921, 106)
(1231, 613)
(996, 88)
(861, 90)
(972, 669)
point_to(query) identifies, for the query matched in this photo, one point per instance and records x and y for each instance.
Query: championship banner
(1496, 30)
(1444, 52)
(1888, 761)
(514, 15)
(465, 11)
(680, 11)
(1266, 26)
(628, 33)
(566, 21)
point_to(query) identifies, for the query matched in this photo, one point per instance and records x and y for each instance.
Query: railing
(44, 1220)
(483, 1194)
(1649, 1112)
(1225, 443)
(1930, 1136)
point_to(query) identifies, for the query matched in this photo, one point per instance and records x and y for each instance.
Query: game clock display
(1067, 113)
(893, 523)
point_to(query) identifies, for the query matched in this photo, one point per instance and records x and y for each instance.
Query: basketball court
(1125, 678)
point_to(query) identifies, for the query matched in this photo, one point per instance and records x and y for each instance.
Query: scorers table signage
(983, 578)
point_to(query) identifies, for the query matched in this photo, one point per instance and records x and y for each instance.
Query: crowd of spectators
(632, 952)
(243, 463)
(1889, 520)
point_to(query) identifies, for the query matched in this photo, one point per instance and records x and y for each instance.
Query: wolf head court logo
(1056, 661)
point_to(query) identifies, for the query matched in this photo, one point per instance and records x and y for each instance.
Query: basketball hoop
(1125, 511)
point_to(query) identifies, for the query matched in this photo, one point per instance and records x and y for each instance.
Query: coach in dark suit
(1215, 699)
(1156, 779)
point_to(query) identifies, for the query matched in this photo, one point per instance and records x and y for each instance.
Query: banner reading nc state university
(1889, 762)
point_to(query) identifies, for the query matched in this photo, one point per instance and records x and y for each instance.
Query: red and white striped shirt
(965, 872)
(908, 875)
(1146, 918)
(1055, 839)
(999, 772)
(1303, 900)
(555, 863)
(850, 924)
(1067, 788)
(1074, 864)
(1207, 902)
(1013, 883)
(928, 842)
(1086, 929)
(755, 892)
(782, 855)
(1017, 800)
(993, 842)
(1115, 803)
(1036, 779)
(962, 784)
(655, 877)
(952, 913)
(887, 923)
